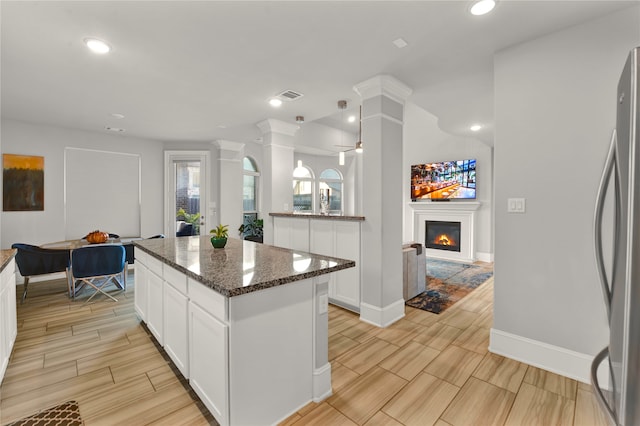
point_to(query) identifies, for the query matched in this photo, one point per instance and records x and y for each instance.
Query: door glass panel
(187, 196)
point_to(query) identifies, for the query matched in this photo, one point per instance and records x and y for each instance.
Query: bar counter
(242, 266)
(318, 216)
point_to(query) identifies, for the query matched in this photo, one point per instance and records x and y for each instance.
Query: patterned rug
(447, 283)
(67, 414)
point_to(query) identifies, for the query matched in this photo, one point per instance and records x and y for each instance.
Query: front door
(186, 192)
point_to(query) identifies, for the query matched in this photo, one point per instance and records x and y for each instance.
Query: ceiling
(197, 71)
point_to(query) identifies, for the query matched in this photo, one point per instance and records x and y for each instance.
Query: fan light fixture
(359, 143)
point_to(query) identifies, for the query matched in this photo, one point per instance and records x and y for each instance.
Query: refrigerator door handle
(597, 223)
(608, 413)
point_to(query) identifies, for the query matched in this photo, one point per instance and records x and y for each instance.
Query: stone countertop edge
(239, 290)
(318, 216)
(5, 257)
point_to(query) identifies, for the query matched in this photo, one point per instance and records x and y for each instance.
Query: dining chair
(97, 266)
(33, 260)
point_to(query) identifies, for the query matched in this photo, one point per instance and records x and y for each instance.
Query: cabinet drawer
(154, 265)
(208, 299)
(141, 256)
(177, 279)
(8, 270)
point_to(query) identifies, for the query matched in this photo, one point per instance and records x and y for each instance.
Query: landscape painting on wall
(23, 183)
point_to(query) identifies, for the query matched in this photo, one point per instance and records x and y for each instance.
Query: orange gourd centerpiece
(97, 237)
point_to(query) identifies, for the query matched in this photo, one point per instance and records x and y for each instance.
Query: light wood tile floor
(426, 369)
(429, 369)
(97, 354)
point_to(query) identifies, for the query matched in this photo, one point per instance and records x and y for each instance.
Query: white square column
(277, 171)
(230, 181)
(383, 100)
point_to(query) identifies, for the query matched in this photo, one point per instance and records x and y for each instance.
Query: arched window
(302, 189)
(331, 179)
(250, 189)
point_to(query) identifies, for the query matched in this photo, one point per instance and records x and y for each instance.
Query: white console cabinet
(8, 320)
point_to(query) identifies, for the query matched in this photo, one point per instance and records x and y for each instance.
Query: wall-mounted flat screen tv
(446, 180)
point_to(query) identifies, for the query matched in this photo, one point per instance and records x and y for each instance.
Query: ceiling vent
(289, 95)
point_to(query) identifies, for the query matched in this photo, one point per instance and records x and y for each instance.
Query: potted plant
(220, 234)
(192, 218)
(252, 231)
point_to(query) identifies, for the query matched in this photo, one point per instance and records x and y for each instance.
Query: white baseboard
(555, 359)
(485, 257)
(322, 383)
(382, 317)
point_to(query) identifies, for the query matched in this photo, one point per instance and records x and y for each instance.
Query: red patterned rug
(66, 414)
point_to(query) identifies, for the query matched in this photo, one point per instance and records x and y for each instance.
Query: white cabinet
(208, 361)
(291, 233)
(155, 305)
(8, 320)
(176, 319)
(141, 292)
(339, 239)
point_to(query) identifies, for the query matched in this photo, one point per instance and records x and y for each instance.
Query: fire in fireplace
(442, 235)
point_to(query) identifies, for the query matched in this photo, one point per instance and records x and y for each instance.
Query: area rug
(66, 414)
(447, 283)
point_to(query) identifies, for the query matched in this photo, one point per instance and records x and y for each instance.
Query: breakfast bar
(247, 325)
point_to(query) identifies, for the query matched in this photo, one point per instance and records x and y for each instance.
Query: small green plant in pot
(220, 234)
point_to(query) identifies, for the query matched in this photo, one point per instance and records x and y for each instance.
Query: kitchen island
(247, 325)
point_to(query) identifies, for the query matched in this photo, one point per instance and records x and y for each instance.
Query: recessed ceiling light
(97, 46)
(275, 102)
(400, 43)
(475, 127)
(117, 116)
(351, 118)
(482, 7)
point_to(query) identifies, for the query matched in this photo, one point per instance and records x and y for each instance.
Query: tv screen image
(444, 181)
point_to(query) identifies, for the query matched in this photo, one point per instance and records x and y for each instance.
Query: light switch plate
(516, 205)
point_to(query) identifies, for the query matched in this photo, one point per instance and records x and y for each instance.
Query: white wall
(50, 142)
(555, 103)
(424, 142)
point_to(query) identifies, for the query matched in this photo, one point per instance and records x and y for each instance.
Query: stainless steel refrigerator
(621, 283)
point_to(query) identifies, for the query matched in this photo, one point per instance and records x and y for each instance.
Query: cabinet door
(155, 305)
(140, 276)
(347, 281)
(12, 326)
(176, 329)
(209, 361)
(4, 329)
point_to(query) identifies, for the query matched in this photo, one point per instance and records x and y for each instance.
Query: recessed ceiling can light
(400, 43)
(351, 118)
(97, 46)
(275, 102)
(475, 127)
(117, 116)
(482, 7)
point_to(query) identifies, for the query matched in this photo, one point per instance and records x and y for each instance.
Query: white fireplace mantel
(461, 211)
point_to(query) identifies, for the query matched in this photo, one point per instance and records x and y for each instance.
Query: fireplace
(442, 235)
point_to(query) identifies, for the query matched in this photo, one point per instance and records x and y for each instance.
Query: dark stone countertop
(5, 257)
(242, 266)
(318, 216)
